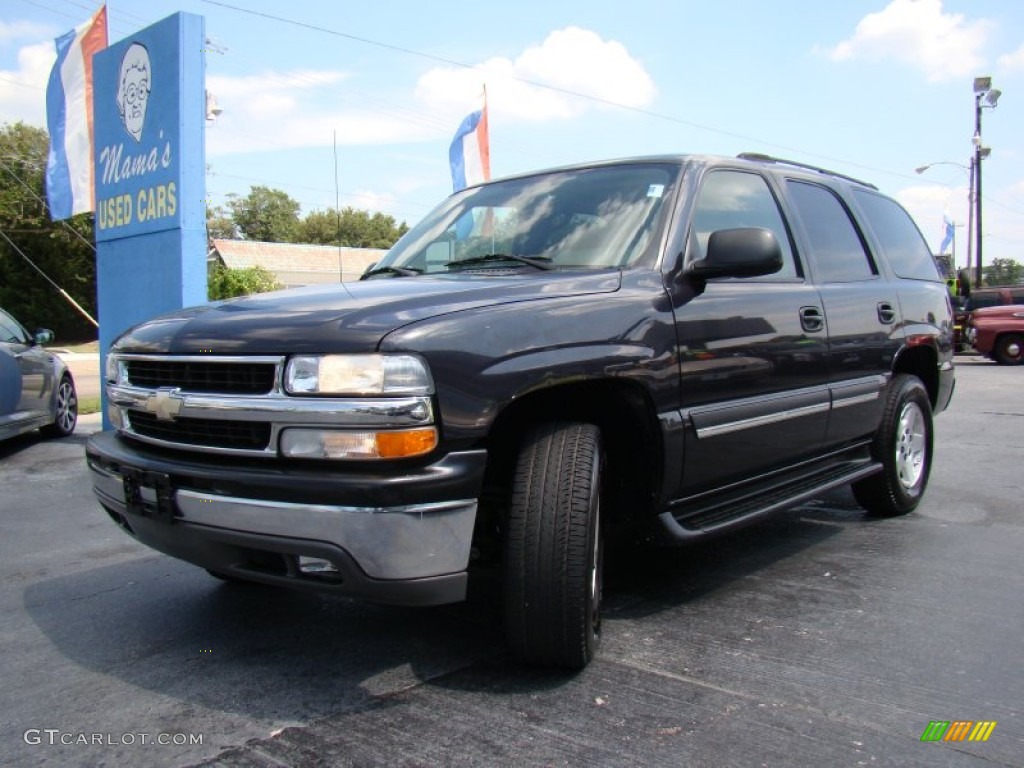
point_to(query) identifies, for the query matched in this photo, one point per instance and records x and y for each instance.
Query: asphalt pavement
(85, 369)
(819, 638)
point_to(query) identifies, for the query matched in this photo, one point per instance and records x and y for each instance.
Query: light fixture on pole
(213, 111)
(985, 97)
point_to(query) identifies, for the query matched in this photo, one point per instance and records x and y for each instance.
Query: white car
(37, 390)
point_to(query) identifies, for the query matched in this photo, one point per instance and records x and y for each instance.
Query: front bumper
(400, 538)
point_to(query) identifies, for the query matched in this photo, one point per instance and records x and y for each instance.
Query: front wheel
(66, 411)
(554, 547)
(1009, 349)
(903, 445)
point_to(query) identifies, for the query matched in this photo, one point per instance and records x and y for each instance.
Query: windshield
(590, 218)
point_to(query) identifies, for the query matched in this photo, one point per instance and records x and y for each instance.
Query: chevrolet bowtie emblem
(165, 404)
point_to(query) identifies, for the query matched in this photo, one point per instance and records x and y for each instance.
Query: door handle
(811, 319)
(886, 313)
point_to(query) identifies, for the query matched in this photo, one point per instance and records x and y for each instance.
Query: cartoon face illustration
(133, 89)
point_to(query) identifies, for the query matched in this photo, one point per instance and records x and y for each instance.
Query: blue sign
(137, 114)
(149, 115)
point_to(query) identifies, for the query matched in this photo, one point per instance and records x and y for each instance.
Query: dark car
(37, 390)
(656, 350)
(997, 332)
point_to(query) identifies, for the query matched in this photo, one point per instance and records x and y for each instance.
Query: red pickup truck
(998, 333)
(979, 298)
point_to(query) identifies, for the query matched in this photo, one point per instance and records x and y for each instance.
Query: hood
(1002, 309)
(344, 317)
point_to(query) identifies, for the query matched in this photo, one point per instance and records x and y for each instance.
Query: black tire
(554, 547)
(66, 416)
(1009, 349)
(903, 444)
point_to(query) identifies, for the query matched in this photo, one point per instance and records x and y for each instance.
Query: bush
(227, 283)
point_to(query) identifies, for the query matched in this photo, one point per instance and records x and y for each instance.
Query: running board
(689, 524)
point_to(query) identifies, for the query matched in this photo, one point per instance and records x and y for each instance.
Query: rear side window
(838, 251)
(736, 200)
(902, 242)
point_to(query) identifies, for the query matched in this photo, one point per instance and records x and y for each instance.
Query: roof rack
(758, 157)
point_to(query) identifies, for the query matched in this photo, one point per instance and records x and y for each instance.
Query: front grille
(240, 378)
(210, 433)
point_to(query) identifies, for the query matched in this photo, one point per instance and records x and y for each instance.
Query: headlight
(305, 443)
(112, 368)
(357, 375)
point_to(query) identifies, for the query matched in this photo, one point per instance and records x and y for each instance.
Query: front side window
(11, 330)
(839, 252)
(739, 200)
(902, 242)
(589, 218)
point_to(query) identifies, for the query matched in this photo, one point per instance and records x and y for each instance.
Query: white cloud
(305, 108)
(24, 30)
(944, 46)
(258, 97)
(276, 110)
(569, 60)
(23, 90)
(1012, 62)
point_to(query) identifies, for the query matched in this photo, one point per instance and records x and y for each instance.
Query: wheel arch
(922, 361)
(630, 435)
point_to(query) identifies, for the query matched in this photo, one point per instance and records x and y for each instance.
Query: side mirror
(746, 252)
(43, 336)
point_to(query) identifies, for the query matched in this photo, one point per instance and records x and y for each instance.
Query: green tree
(1003, 272)
(219, 224)
(60, 249)
(351, 227)
(265, 214)
(225, 283)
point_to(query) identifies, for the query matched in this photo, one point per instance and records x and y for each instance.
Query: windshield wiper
(396, 271)
(537, 262)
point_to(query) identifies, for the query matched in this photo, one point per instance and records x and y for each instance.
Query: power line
(550, 87)
(48, 279)
(23, 85)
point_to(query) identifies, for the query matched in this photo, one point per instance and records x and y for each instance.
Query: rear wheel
(554, 547)
(66, 415)
(903, 445)
(1009, 349)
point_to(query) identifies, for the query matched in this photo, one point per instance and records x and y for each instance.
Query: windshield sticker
(655, 190)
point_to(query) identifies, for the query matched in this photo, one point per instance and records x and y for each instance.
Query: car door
(26, 375)
(751, 350)
(862, 309)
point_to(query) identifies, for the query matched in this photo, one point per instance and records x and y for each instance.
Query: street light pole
(983, 91)
(977, 186)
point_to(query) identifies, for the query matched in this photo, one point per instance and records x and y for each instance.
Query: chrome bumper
(403, 542)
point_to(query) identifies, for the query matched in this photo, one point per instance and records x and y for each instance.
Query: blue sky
(871, 88)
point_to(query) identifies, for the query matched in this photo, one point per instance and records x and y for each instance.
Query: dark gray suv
(658, 349)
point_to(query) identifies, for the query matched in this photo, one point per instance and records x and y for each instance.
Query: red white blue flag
(470, 151)
(70, 187)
